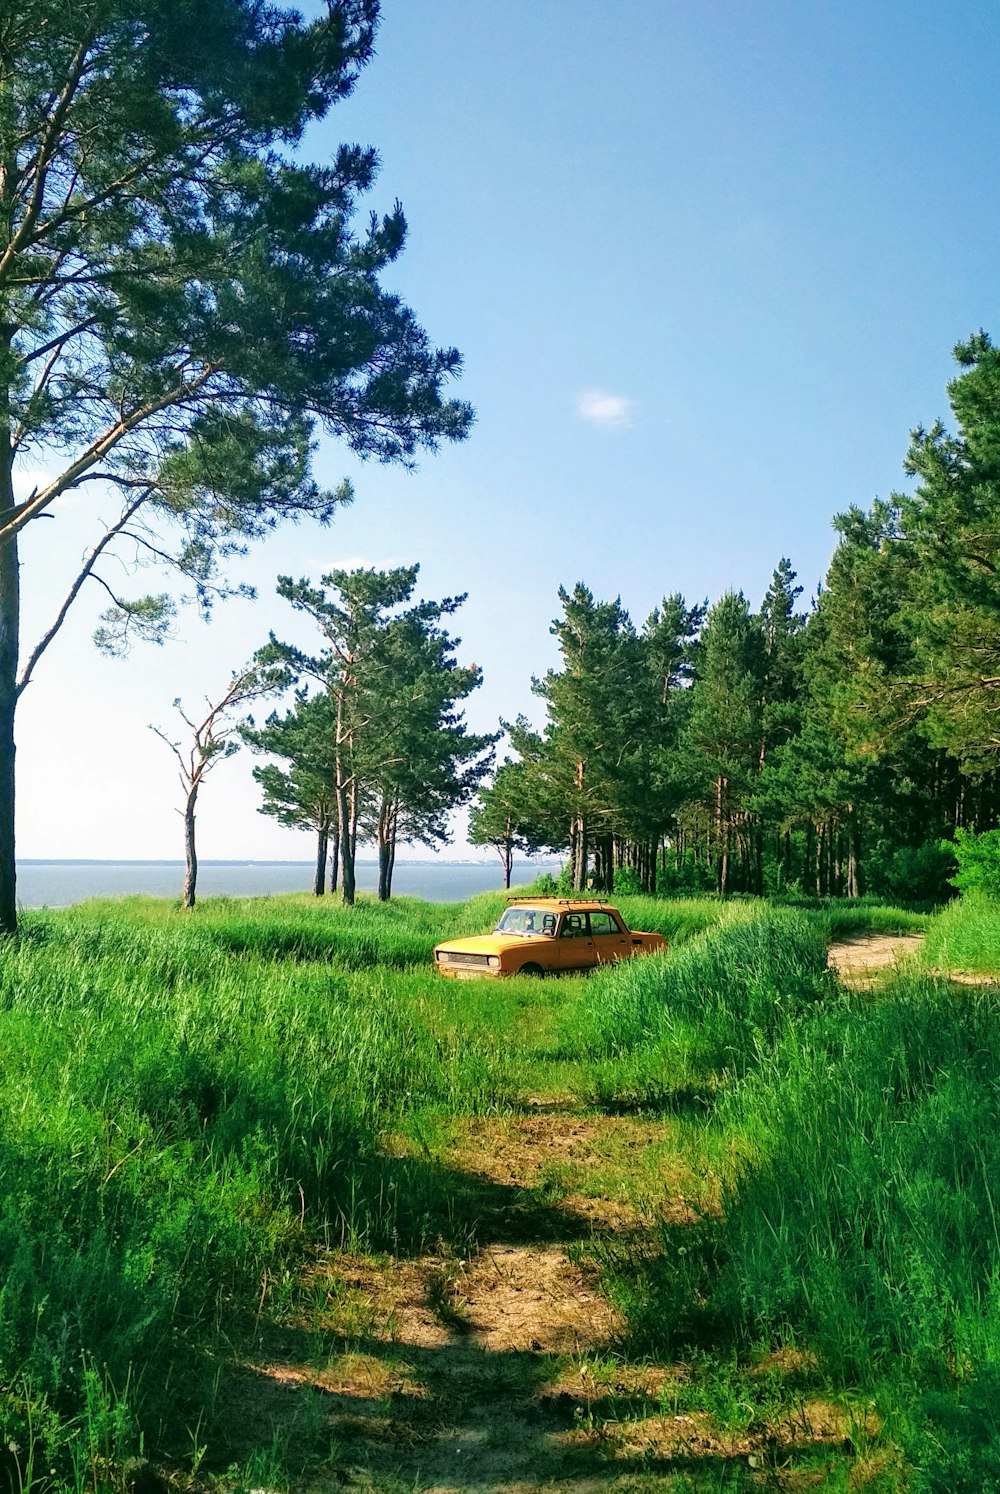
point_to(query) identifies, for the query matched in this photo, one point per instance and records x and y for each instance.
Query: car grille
(453, 957)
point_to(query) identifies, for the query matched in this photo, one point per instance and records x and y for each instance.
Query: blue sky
(706, 263)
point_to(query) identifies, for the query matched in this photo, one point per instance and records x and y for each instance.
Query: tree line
(829, 749)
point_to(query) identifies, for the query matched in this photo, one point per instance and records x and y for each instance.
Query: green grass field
(275, 1196)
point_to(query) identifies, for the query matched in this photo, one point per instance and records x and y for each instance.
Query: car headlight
(493, 960)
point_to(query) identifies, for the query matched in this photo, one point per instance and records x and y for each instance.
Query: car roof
(578, 904)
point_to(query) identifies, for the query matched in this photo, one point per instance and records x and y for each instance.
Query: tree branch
(74, 591)
(16, 518)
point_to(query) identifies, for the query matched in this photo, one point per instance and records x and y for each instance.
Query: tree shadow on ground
(461, 1417)
(407, 1204)
(374, 1404)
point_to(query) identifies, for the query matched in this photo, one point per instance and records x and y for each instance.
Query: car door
(610, 944)
(576, 948)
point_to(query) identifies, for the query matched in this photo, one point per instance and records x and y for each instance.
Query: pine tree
(402, 756)
(301, 796)
(726, 729)
(501, 817)
(183, 303)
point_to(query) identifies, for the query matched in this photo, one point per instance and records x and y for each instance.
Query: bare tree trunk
(722, 834)
(580, 865)
(820, 858)
(9, 620)
(190, 852)
(319, 879)
(580, 837)
(347, 879)
(334, 861)
(392, 853)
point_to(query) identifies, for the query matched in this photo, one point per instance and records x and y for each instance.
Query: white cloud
(608, 412)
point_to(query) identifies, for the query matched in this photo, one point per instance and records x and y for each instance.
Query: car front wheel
(531, 969)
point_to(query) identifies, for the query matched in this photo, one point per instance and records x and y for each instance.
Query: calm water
(53, 884)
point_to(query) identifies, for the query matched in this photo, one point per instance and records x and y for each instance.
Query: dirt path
(860, 960)
(505, 1368)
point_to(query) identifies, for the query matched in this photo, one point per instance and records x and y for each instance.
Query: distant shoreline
(541, 862)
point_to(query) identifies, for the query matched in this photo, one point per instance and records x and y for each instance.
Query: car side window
(574, 926)
(602, 923)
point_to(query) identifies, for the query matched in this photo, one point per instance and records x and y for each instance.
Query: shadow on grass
(459, 1416)
(408, 1205)
(695, 1101)
(407, 1395)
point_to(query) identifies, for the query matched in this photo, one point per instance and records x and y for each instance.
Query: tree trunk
(392, 854)
(382, 841)
(580, 837)
(344, 837)
(722, 834)
(347, 879)
(190, 852)
(10, 611)
(319, 879)
(606, 875)
(506, 850)
(334, 861)
(820, 859)
(343, 812)
(853, 858)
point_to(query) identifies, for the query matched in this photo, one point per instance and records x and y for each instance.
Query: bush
(626, 882)
(911, 874)
(978, 858)
(687, 877)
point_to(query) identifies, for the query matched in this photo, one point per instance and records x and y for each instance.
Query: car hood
(494, 943)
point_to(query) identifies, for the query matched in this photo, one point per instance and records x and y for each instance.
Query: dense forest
(828, 748)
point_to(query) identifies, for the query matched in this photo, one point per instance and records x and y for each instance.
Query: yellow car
(544, 935)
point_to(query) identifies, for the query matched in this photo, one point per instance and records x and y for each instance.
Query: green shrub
(626, 882)
(684, 877)
(978, 858)
(911, 874)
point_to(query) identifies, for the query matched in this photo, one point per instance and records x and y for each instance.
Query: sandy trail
(860, 960)
(505, 1370)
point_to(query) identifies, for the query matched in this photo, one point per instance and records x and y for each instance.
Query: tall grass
(186, 1103)
(190, 1103)
(860, 1220)
(857, 1141)
(966, 937)
(671, 1027)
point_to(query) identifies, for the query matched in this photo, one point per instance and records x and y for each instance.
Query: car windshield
(527, 921)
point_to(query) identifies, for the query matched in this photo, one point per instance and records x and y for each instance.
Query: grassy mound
(966, 937)
(668, 1028)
